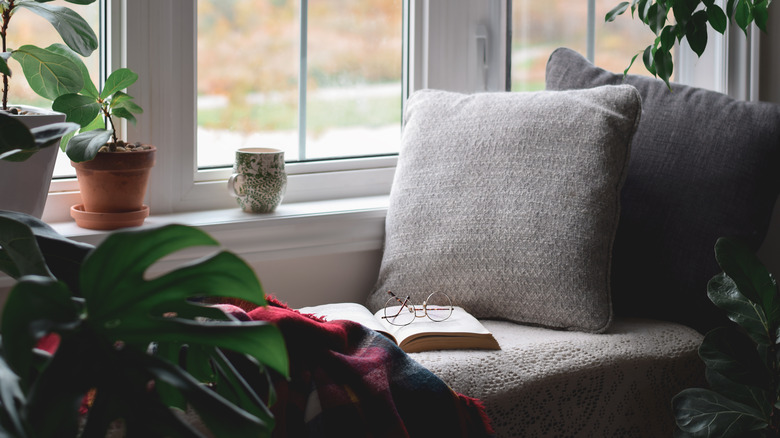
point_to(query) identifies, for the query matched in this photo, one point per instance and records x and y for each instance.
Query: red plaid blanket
(349, 381)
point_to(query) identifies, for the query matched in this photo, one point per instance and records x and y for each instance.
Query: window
(251, 54)
(200, 101)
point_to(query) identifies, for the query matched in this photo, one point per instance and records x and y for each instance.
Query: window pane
(353, 104)
(618, 41)
(29, 28)
(538, 28)
(248, 64)
(247, 77)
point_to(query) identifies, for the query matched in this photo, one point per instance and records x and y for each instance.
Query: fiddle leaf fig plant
(742, 362)
(95, 111)
(130, 346)
(48, 73)
(678, 20)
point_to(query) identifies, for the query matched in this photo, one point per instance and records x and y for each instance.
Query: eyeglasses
(437, 307)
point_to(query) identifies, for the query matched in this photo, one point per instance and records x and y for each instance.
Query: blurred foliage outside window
(539, 27)
(248, 64)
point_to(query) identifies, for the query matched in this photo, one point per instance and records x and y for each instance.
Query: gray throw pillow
(508, 203)
(703, 165)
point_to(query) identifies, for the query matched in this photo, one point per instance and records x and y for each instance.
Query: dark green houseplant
(142, 346)
(677, 20)
(743, 361)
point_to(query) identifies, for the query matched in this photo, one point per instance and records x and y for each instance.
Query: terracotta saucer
(108, 221)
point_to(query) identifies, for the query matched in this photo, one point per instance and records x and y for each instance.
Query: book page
(349, 311)
(460, 330)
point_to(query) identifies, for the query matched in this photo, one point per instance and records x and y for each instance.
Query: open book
(460, 331)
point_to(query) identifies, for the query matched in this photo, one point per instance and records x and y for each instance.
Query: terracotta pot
(115, 182)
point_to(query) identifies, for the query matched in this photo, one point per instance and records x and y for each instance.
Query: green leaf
(717, 18)
(663, 65)
(86, 145)
(696, 32)
(223, 418)
(73, 29)
(127, 306)
(123, 100)
(643, 9)
(743, 15)
(36, 306)
(12, 400)
(48, 135)
(731, 7)
(656, 17)
(648, 59)
(625, 72)
(63, 256)
(617, 10)
(4, 67)
(756, 398)
(668, 35)
(77, 108)
(117, 81)
(89, 86)
(49, 74)
(761, 15)
(16, 137)
(724, 293)
(699, 410)
(752, 278)
(731, 354)
(124, 114)
(18, 244)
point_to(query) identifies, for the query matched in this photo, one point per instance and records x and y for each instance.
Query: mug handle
(231, 185)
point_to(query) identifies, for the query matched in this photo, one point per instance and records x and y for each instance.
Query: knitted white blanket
(556, 383)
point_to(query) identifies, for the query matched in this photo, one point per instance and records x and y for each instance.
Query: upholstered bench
(553, 383)
(578, 224)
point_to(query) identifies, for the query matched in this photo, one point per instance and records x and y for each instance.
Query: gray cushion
(508, 202)
(703, 165)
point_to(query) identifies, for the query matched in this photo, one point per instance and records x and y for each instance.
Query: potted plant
(690, 21)
(31, 179)
(128, 352)
(113, 175)
(742, 361)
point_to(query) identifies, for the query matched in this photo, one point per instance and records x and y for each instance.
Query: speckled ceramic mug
(259, 181)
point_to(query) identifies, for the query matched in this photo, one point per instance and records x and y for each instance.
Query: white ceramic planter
(24, 186)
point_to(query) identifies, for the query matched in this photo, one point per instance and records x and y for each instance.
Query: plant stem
(3, 33)
(114, 140)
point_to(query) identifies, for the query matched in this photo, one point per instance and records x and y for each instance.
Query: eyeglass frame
(405, 303)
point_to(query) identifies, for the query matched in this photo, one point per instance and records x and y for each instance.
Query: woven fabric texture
(703, 165)
(508, 202)
(550, 383)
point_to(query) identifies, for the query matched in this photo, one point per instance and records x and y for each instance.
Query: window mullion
(302, 78)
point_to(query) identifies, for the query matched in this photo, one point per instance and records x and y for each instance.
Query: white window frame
(447, 40)
(157, 39)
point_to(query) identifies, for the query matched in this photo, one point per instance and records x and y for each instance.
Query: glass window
(538, 28)
(251, 56)
(30, 28)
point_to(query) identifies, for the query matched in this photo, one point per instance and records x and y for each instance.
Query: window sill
(293, 230)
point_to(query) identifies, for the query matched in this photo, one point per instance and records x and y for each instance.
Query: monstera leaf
(131, 338)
